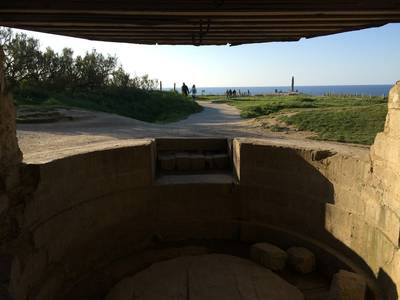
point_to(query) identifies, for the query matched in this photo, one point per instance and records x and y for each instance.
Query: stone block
(347, 286)
(301, 259)
(167, 162)
(268, 255)
(198, 162)
(183, 162)
(221, 161)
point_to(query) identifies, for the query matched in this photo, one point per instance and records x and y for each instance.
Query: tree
(119, 78)
(23, 57)
(148, 84)
(66, 76)
(27, 65)
(93, 70)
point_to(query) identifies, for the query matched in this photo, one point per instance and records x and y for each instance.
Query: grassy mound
(351, 124)
(149, 106)
(337, 118)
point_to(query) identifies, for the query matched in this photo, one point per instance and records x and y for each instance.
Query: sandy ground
(93, 130)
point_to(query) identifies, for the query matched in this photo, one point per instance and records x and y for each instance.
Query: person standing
(185, 89)
(194, 92)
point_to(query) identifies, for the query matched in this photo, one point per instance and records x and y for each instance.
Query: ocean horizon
(317, 90)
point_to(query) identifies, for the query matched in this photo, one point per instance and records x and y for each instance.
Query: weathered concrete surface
(385, 187)
(213, 277)
(11, 206)
(347, 286)
(301, 259)
(90, 210)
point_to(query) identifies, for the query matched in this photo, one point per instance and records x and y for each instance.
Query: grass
(334, 118)
(358, 124)
(149, 106)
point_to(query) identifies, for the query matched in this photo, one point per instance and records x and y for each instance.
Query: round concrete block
(301, 259)
(347, 286)
(268, 255)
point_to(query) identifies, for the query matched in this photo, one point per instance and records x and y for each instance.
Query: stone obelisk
(292, 90)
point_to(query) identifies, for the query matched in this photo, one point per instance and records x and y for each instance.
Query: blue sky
(370, 56)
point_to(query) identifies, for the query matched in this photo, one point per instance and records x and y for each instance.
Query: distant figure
(234, 93)
(194, 92)
(185, 89)
(248, 92)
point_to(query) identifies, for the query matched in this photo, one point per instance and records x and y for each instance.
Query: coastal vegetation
(351, 119)
(92, 81)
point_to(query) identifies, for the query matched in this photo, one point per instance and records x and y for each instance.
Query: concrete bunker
(92, 219)
(78, 225)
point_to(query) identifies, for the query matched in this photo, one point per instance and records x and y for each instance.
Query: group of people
(186, 91)
(229, 93)
(232, 94)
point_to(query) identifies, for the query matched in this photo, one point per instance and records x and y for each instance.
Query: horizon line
(300, 85)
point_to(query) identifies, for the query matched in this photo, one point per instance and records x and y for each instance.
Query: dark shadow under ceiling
(197, 22)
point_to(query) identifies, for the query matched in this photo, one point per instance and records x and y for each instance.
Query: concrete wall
(90, 210)
(385, 189)
(11, 189)
(94, 218)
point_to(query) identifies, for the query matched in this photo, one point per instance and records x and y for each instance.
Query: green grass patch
(336, 118)
(149, 106)
(343, 124)
(252, 107)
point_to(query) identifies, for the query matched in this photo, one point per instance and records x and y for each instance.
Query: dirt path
(95, 129)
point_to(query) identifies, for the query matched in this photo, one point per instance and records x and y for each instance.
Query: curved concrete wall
(91, 212)
(93, 218)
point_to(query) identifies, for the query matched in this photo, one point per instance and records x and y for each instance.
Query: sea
(318, 90)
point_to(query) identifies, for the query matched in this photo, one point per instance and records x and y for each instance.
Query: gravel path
(42, 142)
